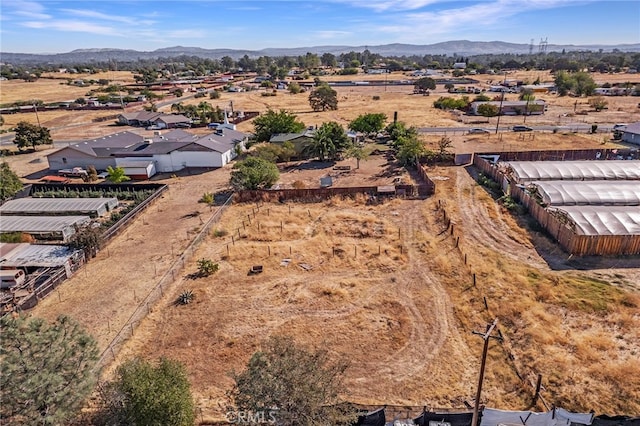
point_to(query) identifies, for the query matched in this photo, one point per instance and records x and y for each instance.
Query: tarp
(603, 220)
(598, 192)
(604, 420)
(429, 418)
(556, 417)
(526, 171)
(373, 418)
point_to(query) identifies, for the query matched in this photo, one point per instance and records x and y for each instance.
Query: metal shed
(25, 255)
(527, 171)
(603, 220)
(93, 207)
(43, 227)
(598, 192)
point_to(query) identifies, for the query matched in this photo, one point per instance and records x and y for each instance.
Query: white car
(478, 131)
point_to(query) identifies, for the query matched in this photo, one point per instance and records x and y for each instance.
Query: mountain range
(450, 48)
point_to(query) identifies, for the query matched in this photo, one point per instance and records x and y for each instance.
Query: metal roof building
(597, 192)
(93, 207)
(43, 227)
(25, 255)
(603, 220)
(527, 171)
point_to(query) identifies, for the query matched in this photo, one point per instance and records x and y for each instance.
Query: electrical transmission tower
(543, 46)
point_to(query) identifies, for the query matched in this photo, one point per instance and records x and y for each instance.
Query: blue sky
(60, 26)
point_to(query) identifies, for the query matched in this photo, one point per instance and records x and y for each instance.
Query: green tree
(10, 183)
(116, 175)
(294, 88)
(177, 107)
(87, 238)
(410, 150)
(424, 84)
(358, 153)
(488, 110)
(144, 393)
(564, 83)
(207, 267)
(296, 385)
(323, 98)
(329, 141)
(28, 134)
(272, 122)
(254, 173)
(399, 129)
(46, 369)
(368, 123)
(584, 84)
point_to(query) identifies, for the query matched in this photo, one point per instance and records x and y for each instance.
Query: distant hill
(457, 48)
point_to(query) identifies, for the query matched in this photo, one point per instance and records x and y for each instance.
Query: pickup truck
(75, 172)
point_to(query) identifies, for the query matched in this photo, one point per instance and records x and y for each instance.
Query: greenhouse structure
(590, 206)
(28, 206)
(58, 228)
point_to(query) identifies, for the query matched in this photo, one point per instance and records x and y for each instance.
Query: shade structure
(598, 192)
(528, 171)
(602, 220)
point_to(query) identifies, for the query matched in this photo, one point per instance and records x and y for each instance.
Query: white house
(164, 153)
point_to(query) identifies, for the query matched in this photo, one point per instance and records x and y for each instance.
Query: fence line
(157, 292)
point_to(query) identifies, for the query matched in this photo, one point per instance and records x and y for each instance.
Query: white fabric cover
(604, 220)
(559, 417)
(526, 171)
(597, 192)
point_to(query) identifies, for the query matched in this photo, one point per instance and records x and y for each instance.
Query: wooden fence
(317, 194)
(565, 235)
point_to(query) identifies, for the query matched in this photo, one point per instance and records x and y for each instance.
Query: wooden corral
(578, 245)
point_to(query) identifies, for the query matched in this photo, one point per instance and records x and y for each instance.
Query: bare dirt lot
(383, 285)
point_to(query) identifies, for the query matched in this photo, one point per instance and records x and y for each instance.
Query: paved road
(574, 127)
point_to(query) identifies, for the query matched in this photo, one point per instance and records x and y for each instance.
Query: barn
(93, 207)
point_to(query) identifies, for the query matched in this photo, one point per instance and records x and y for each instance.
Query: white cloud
(191, 33)
(27, 9)
(324, 35)
(73, 26)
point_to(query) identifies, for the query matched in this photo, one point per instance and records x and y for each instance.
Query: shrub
(376, 98)
(206, 267)
(207, 198)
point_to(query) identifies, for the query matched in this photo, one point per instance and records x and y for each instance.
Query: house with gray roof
(149, 118)
(631, 133)
(163, 153)
(300, 141)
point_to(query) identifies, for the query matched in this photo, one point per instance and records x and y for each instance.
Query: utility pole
(486, 336)
(35, 109)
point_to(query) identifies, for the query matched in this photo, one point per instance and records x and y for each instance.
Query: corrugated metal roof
(35, 224)
(597, 192)
(58, 205)
(525, 171)
(604, 220)
(37, 255)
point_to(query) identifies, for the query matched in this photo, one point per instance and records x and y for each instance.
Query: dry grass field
(382, 285)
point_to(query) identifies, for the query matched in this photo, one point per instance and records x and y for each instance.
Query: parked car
(522, 129)
(478, 131)
(154, 127)
(75, 172)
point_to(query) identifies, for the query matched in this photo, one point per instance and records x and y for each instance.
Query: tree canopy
(273, 122)
(329, 141)
(10, 183)
(30, 135)
(46, 369)
(296, 385)
(579, 83)
(144, 393)
(323, 98)
(254, 173)
(368, 123)
(424, 84)
(116, 175)
(488, 110)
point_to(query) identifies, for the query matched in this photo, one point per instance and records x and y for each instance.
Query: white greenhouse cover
(526, 171)
(596, 192)
(604, 220)
(58, 205)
